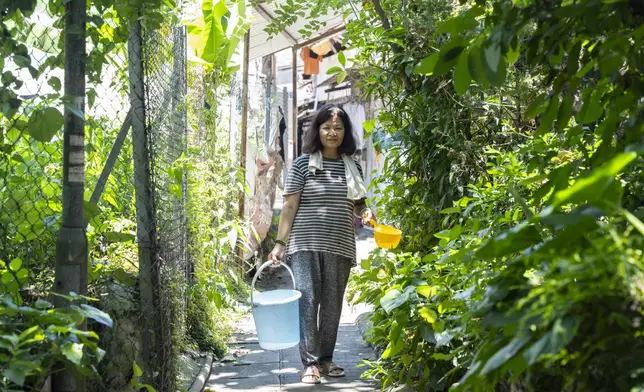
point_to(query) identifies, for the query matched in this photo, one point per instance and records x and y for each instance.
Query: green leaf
(592, 109)
(462, 75)
(54, 82)
(505, 354)
(136, 369)
(537, 106)
(527, 212)
(91, 97)
(341, 77)
(565, 112)
(495, 76)
(7, 277)
(569, 234)
(407, 359)
(96, 315)
(44, 124)
(475, 66)
(442, 338)
(395, 298)
(573, 58)
(428, 258)
(513, 240)
(561, 220)
(342, 59)
(545, 125)
(442, 357)
(458, 24)
(592, 187)
(207, 35)
(369, 125)
(533, 179)
(22, 273)
(73, 352)
(634, 221)
(426, 291)
(493, 56)
(334, 70)
(115, 236)
(427, 65)
(15, 264)
(16, 376)
(562, 332)
(611, 63)
(42, 304)
(428, 333)
(428, 315)
(388, 351)
(514, 51)
(448, 56)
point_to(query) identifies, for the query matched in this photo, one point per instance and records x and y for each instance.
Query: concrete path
(249, 368)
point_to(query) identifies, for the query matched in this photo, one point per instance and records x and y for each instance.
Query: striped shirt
(324, 219)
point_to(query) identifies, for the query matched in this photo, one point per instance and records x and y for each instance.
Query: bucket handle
(259, 271)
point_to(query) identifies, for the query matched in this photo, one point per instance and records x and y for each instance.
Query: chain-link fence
(133, 175)
(30, 153)
(166, 122)
(138, 143)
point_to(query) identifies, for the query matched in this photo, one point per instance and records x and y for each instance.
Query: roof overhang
(262, 44)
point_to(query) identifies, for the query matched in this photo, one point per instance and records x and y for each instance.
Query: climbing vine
(513, 133)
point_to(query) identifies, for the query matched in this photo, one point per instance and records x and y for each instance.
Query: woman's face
(332, 132)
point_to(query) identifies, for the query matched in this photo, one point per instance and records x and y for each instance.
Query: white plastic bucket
(276, 314)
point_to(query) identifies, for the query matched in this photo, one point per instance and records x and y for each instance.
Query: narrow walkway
(249, 368)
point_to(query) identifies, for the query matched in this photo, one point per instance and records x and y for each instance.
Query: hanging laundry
(322, 48)
(328, 48)
(357, 116)
(337, 46)
(311, 62)
(282, 131)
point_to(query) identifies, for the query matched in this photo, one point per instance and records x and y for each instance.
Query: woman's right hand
(277, 254)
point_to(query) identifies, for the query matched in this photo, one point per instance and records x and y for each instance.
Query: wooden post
(268, 99)
(295, 141)
(145, 219)
(244, 131)
(285, 106)
(71, 244)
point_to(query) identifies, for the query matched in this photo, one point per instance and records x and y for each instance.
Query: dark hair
(312, 142)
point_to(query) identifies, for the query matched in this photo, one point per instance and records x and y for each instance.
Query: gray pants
(321, 277)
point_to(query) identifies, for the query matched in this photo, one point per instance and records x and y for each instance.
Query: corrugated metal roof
(262, 45)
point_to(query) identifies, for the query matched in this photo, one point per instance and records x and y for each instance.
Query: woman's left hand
(369, 218)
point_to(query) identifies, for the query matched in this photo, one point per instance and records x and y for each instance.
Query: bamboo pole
(295, 141)
(111, 160)
(244, 132)
(320, 37)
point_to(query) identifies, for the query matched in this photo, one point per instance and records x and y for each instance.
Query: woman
(324, 190)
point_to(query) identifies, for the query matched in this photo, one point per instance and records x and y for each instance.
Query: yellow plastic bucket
(387, 237)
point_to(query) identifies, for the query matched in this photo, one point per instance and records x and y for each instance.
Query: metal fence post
(145, 222)
(71, 245)
(244, 137)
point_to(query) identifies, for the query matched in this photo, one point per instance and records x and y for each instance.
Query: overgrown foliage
(37, 340)
(513, 134)
(32, 101)
(215, 30)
